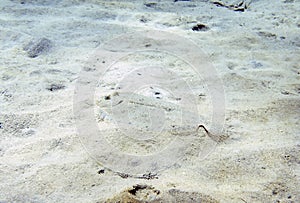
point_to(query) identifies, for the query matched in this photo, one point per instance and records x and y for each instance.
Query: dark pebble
(200, 27)
(101, 171)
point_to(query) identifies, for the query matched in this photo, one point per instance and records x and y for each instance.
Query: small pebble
(38, 47)
(101, 171)
(200, 27)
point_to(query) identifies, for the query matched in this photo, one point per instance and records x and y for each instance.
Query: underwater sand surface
(254, 47)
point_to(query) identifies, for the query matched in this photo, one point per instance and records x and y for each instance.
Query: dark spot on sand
(143, 19)
(38, 47)
(143, 189)
(200, 27)
(55, 87)
(137, 188)
(150, 5)
(267, 35)
(101, 171)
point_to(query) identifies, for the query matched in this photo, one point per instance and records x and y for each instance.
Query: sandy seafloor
(255, 53)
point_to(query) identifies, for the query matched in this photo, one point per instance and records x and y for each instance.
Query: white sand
(255, 53)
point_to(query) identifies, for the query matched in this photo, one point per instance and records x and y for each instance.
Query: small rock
(200, 27)
(36, 48)
(101, 171)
